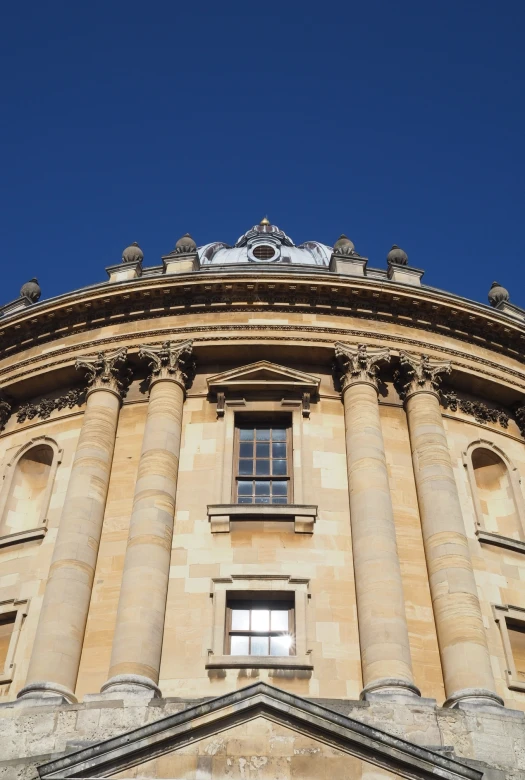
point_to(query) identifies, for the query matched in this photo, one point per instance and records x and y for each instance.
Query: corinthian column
(461, 635)
(137, 644)
(383, 632)
(55, 658)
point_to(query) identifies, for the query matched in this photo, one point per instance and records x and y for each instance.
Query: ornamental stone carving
(479, 410)
(106, 371)
(185, 245)
(5, 412)
(31, 290)
(170, 360)
(359, 364)
(344, 247)
(133, 254)
(418, 374)
(43, 408)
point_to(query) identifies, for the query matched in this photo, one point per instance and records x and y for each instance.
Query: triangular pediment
(258, 732)
(261, 375)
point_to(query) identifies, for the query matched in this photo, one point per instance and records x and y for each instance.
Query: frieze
(477, 409)
(44, 408)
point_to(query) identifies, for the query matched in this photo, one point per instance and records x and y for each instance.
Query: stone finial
(359, 364)
(31, 290)
(133, 254)
(171, 360)
(104, 371)
(343, 246)
(397, 256)
(419, 374)
(185, 245)
(497, 294)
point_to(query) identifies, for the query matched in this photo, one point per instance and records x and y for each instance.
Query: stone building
(262, 516)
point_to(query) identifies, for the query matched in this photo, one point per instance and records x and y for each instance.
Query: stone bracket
(303, 516)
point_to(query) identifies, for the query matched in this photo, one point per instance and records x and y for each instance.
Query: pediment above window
(263, 375)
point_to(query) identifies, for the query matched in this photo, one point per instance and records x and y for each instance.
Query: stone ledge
(303, 516)
(259, 662)
(501, 541)
(23, 536)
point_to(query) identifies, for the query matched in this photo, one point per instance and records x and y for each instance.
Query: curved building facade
(262, 516)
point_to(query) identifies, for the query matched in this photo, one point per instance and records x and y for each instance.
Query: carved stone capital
(419, 374)
(358, 365)
(104, 371)
(170, 360)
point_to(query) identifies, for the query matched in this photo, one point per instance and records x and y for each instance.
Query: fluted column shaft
(137, 643)
(383, 631)
(459, 623)
(55, 659)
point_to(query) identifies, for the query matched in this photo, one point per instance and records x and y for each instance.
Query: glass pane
(279, 488)
(262, 450)
(239, 645)
(246, 449)
(241, 620)
(279, 500)
(246, 434)
(262, 468)
(279, 621)
(245, 488)
(245, 500)
(246, 467)
(260, 619)
(262, 488)
(259, 645)
(262, 500)
(262, 434)
(278, 450)
(279, 434)
(280, 645)
(279, 467)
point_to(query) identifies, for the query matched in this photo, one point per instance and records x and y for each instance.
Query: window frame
(502, 614)
(20, 607)
(228, 588)
(265, 601)
(271, 421)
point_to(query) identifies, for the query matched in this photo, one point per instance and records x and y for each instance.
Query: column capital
(359, 365)
(103, 371)
(419, 374)
(170, 360)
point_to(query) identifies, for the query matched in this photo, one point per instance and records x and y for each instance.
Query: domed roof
(265, 243)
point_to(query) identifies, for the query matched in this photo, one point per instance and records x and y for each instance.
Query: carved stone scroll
(419, 374)
(104, 371)
(170, 360)
(359, 364)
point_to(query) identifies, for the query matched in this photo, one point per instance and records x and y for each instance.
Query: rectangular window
(516, 631)
(260, 626)
(263, 463)
(7, 625)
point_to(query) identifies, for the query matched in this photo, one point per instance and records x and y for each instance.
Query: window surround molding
(13, 456)
(222, 587)
(501, 613)
(489, 537)
(20, 607)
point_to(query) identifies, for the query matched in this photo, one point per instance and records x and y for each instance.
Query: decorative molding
(519, 415)
(5, 412)
(477, 409)
(303, 516)
(104, 371)
(305, 404)
(43, 409)
(359, 364)
(171, 360)
(221, 404)
(419, 373)
(506, 542)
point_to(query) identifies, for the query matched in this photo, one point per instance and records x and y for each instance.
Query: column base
(474, 697)
(131, 685)
(45, 693)
(391, 688)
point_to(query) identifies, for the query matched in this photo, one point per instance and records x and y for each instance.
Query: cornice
(147, 298)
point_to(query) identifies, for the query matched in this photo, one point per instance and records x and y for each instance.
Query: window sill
(501, 541)
(23, 536)
(259, 662)
(303, 517)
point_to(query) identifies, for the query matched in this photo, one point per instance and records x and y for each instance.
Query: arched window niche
(26, 491)
(495, 486)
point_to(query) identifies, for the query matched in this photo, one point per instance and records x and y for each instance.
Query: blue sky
(393, 122)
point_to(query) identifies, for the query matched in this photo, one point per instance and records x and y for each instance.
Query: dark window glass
(262, 454)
